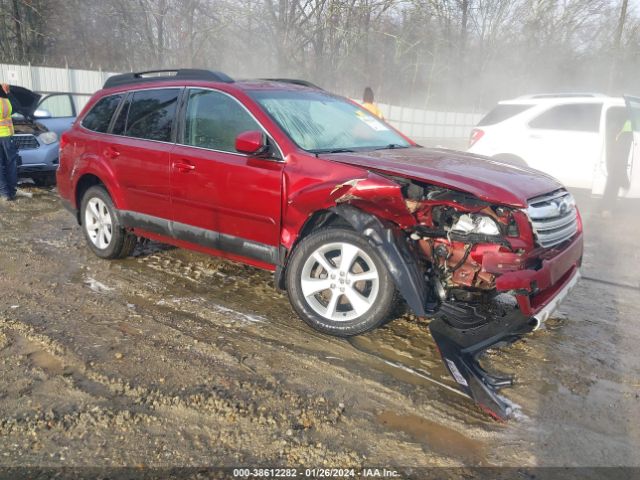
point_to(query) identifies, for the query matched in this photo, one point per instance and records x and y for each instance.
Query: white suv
(565, 135)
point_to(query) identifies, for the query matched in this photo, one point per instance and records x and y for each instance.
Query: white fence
(48, 79)
(428, 127)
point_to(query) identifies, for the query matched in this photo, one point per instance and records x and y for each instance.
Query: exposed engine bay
(453, 232)
(24, 126)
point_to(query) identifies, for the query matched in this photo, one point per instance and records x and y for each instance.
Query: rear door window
(152, 114)
(582, 117)
(99, 116)
(501, 113)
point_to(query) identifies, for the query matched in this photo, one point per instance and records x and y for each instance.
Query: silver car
(39, 120)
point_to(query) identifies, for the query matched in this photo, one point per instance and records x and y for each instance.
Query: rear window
(502, 113)
(99, 116)
(582, 117)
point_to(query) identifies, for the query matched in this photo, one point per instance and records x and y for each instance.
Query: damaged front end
(485, 273)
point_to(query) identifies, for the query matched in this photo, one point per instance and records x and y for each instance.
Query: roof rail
(171, 74)
(562, 95)
(293, 81)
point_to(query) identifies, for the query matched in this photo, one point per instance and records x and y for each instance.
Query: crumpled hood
(23, 100)
(487, 179)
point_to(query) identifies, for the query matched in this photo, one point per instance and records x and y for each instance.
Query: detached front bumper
(539, 291)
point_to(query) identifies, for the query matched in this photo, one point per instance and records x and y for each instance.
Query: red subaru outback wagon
(351, 215)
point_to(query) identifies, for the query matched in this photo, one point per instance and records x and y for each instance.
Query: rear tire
(335, 297)
(102, 226)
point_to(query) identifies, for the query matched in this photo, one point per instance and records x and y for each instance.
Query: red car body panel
(228, 193)
(487, 179)
(143, 171)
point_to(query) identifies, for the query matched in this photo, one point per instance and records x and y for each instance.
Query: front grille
(26, 142)
(554, 218)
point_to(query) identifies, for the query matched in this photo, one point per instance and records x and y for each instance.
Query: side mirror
(252, 142)
(42, 114)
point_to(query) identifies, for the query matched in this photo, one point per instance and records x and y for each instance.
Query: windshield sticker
(371, 122)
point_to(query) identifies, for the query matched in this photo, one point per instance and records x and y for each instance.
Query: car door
(633, 168)
(57, 112)
(139, 151)
(220, 198)
(615, 114)
(565, 142)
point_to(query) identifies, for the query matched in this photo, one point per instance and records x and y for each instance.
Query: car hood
(487, 179)
(23, 100)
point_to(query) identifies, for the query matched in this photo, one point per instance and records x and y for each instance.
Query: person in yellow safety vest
(8, 150)
(367, 102)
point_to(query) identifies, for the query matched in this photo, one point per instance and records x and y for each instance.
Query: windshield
(319, 122)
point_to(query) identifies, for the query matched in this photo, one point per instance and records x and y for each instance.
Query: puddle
(416, 363)
(435, 437)
(47, 362)
(39, 358)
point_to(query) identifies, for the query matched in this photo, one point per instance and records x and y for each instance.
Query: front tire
(101, 226)
(338, 283)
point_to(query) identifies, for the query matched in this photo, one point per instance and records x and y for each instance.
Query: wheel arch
(386, 238)
(317, 220)
(84, 183)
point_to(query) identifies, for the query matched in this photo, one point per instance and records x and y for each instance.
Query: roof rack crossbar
(176, 74)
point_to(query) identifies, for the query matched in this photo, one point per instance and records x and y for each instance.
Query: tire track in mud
(402, 349)
(374, 365)
(130, 406)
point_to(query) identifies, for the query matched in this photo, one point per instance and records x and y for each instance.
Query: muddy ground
(172, 358)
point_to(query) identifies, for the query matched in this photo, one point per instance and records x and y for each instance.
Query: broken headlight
(479, 224)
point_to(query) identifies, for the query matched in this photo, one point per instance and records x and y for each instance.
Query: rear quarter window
(501, 113)
(581, 117)
(99, 116)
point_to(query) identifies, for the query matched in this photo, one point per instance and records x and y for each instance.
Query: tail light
(476, 134)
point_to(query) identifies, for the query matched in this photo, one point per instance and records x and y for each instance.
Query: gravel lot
(172, 358)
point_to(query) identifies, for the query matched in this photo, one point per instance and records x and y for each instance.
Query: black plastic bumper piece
(392, 246)
(461, 348)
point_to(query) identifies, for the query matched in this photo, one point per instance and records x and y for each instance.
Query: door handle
(184, 167)
(111, 153)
